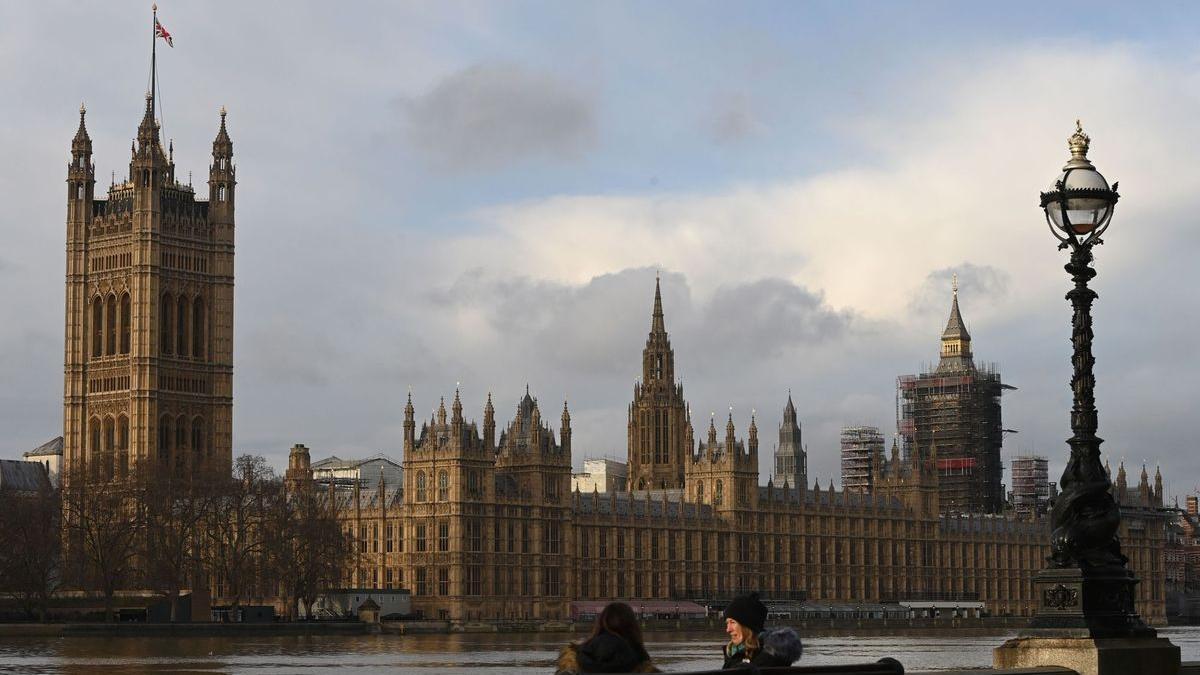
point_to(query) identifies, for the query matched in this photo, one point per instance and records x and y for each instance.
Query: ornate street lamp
(1087, 588)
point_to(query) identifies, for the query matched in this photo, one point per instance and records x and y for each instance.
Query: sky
(481, 194)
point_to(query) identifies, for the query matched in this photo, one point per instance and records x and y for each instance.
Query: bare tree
(307, 549)
(103, 527)
(234, 530)
(31, 554)
(175, 511)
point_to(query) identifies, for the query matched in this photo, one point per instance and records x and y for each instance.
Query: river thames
(475, 654)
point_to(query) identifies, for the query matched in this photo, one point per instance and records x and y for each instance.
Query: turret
(441, 413)
(730, 439)
(565, 432)
(1144, 488)
(712, 435)
(753, 436)
(1158, 487)
(410, 426)
(299, 472)
(222, 181)
(489, 424)
(1122, 486)
(456, 418)
(80, 180)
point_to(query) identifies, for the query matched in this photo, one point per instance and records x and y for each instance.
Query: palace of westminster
(482, 522)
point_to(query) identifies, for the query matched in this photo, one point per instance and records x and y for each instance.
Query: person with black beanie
(750, 643)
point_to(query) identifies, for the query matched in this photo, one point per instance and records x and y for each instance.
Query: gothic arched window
(700, 492)
(198, 444)
(165, 324)
(110, 434)
(164, 439)
(198, 328)
(94, 427)
(719, 493)
(180, 432)
(125, 323)
(97, 327)
(420, 486)
(443, 486)
(181, 317)
(221, 193)
(123, 433)
(110, 320)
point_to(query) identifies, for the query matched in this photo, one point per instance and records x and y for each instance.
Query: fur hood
(782, 643)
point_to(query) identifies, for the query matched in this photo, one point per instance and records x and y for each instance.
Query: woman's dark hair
(618, 618)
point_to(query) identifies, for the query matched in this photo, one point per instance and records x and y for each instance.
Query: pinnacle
(657, 323)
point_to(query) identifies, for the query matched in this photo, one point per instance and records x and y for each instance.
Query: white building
(49, 455)
(364, 472)
(344, 602)
(601, 475)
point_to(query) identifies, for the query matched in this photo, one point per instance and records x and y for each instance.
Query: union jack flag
(161, 32)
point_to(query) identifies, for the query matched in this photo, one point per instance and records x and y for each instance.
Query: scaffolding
(859, 445)
(958, 416)
(1031, 485)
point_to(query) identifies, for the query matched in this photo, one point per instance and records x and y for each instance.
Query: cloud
(981, 283)
(490, 116)
(766, 319)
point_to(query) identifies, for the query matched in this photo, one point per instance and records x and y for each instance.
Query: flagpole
(153, 58)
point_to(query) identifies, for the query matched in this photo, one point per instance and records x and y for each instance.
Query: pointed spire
(566, 415)
(408, 407)
(956, 341)
(148, 129)
(222, 133)
(657, 324)
(457, 407)
(789, 410)
(955, 327)
(81, 135)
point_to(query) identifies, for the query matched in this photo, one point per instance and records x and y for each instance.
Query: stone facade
(148, 358)
(485, 529)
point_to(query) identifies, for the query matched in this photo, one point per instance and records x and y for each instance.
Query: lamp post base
(1086, 603)
(1091, 656)
(1086, 622)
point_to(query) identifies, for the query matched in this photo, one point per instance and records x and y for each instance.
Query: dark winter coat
(777, 647)
(605, 653)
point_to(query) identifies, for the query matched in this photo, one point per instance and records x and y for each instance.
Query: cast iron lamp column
(1087, 589)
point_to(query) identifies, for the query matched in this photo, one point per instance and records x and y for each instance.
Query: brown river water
(475, 654)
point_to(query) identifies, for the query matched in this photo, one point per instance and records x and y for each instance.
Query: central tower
(660, 430)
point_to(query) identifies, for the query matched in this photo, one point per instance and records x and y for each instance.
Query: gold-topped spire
(82, 109)
(222, 111)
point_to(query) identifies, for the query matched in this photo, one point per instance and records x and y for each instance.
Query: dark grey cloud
(982, 283)
(492, 115)
(767, 318)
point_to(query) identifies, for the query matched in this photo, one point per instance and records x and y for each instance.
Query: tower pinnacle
(956, 341)
(657, 324)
